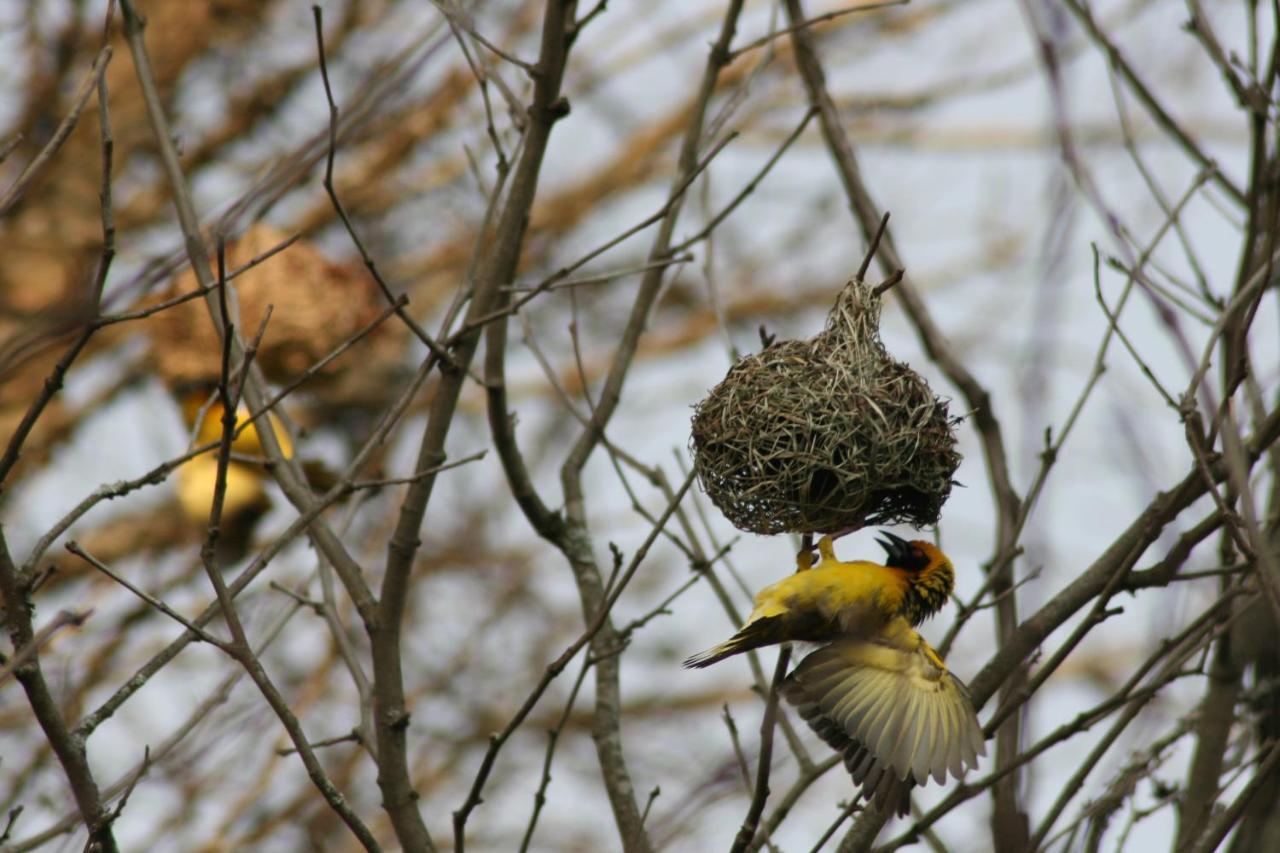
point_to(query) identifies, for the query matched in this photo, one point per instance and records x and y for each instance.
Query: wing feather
(909, 723)
(924, 755)
(895, 717)
(955, 757)
(975, 744)
(877, 728)
(946, 747)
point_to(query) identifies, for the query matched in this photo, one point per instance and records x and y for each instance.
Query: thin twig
(396, 302)
(761, 794)
(74, 548)
(816, 19)
(64, 618)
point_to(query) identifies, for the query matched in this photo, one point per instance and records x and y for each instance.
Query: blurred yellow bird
(875, 691)
(244, 491)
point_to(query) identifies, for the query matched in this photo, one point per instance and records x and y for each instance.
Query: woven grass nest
(826, 435)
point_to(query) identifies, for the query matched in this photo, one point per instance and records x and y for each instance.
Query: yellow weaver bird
(245, 500)
(875, 691)
(244, 491)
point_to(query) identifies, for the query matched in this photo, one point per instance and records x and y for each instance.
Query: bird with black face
(874, 691)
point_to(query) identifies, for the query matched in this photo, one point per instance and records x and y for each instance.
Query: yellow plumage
(876, 692)
(247, 442)
(833, 588)
(195, 480)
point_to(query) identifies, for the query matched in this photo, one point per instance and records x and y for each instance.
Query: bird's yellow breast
(835, 591)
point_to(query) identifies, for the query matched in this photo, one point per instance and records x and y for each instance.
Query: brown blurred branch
(46, 154)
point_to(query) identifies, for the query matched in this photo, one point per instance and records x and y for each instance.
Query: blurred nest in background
(316, 306)
(826, 435)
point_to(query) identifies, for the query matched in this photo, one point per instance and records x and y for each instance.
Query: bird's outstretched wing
(891, 708)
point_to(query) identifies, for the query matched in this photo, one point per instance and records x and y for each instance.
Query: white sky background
(973, 174)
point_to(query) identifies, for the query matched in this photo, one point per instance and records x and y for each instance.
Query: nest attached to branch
(826, 435)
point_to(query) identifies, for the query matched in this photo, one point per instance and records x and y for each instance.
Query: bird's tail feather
(761, 632)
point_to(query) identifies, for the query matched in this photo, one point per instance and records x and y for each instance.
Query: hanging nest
(826, 435)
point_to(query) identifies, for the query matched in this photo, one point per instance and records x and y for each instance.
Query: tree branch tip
(884, 286)
(875, 239)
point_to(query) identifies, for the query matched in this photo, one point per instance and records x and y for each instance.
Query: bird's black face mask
(901, 553)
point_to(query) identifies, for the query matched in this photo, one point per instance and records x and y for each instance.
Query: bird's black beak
(896, 547)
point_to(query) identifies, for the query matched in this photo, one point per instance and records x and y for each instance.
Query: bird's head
(913, 556)
(929, 573)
